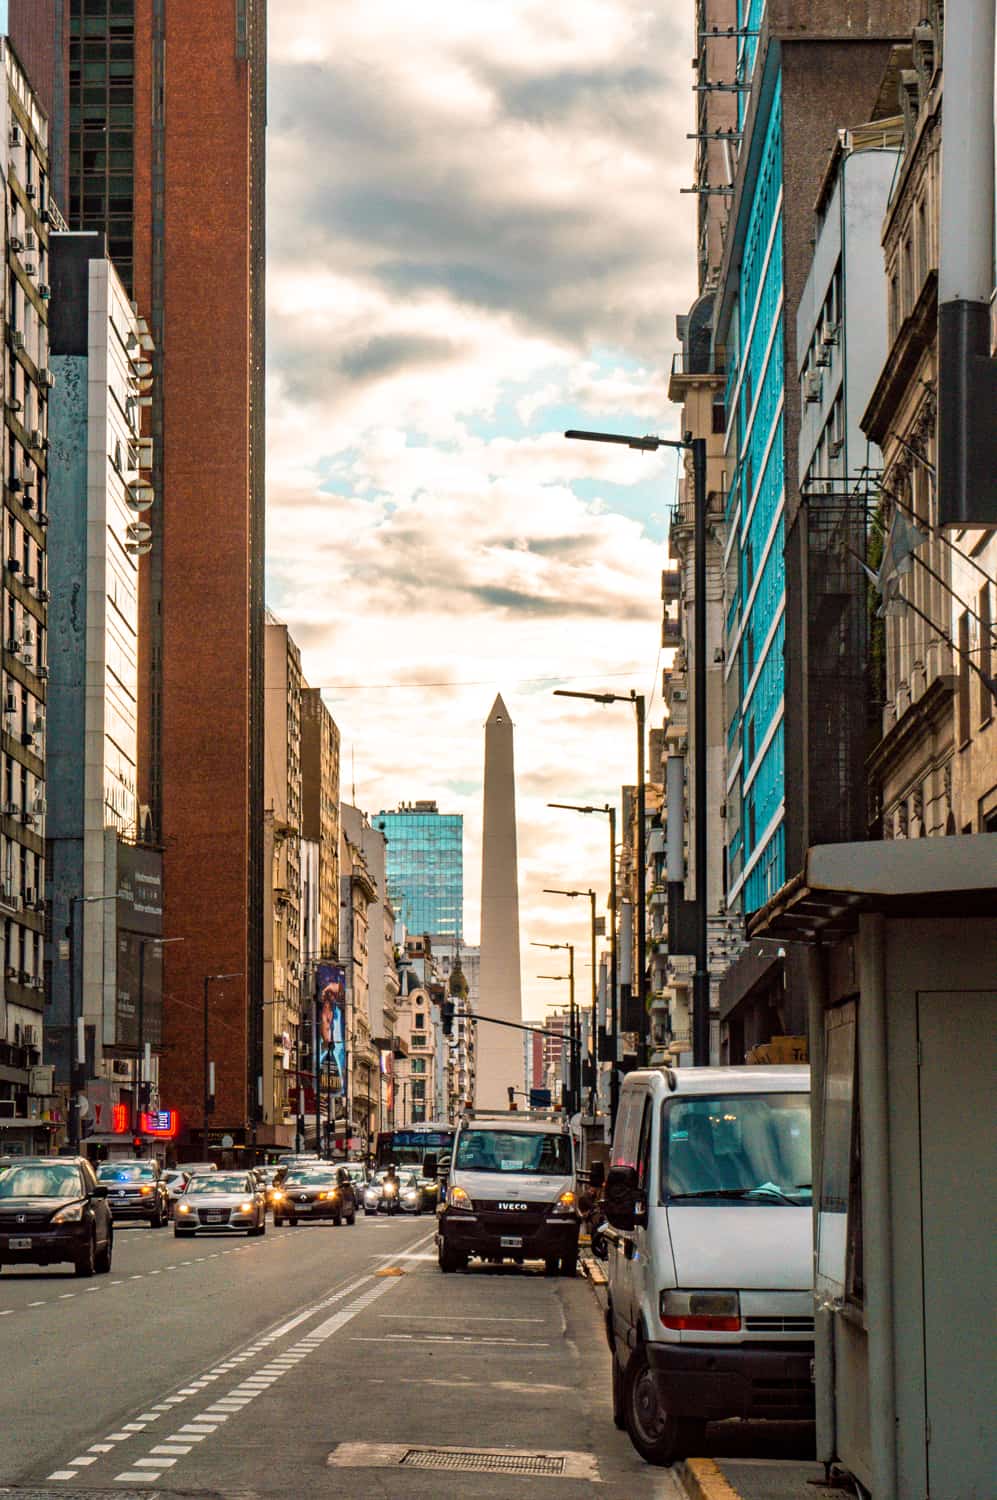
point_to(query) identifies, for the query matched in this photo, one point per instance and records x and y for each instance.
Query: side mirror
(430, 1166)
(597, 1175)
(100, 1191)
(622, 1200)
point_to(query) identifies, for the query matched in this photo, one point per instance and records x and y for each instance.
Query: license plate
(214, 1218)
(511, 1242)
(121, 1198)
(303, 1208)
(20, 1243)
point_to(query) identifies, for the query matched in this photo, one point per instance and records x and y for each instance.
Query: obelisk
(500, 1059)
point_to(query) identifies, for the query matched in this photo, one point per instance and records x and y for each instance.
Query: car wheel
(156, 1222)
(451, 1260)
(655, 1433)
(277, 1221)
(263, 1227)
(85, 1264)
(181, 1234)
(551, 1264)
(569, 1264)
(619, 1412)
(293, 1223)
(352, 1219)
(102, 1260)
(338, 1220)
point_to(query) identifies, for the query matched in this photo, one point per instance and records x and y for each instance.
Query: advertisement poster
(139, 982)
(330, 982)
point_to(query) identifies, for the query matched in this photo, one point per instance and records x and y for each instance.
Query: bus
(409, 1145)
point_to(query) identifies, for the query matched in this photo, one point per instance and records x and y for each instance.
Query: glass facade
(425, 864)
(755, 507)
(101, 119)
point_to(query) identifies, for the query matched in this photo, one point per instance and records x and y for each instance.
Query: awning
(929, 877)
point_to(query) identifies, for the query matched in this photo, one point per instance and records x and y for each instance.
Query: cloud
(476, 240)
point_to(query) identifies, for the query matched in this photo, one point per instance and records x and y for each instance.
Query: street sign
(227, 1142)
(540, 1098)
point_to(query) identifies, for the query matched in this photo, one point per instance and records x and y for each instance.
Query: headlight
(245, 1208)
(412, 1196)
(183, 1208)
(711, 1312)
(69, 1215)
(276, 1195)
(389, 1190)
(457, 1198)
(565, 1203)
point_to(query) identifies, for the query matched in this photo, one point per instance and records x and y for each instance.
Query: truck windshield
(514, 1151)
(749, 1147)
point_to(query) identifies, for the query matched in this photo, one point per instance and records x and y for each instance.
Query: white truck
(511, 1193)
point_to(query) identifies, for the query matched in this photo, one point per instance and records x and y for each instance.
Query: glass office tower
(425, 867)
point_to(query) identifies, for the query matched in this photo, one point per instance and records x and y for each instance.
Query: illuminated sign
(161, 1122)
(119, 1118)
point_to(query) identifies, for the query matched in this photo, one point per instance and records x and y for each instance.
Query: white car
(222, 1202)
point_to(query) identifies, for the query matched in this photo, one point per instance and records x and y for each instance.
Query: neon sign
(160, 1122)
(119, 1118)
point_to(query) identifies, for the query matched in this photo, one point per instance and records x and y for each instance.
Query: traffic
(699, 1211)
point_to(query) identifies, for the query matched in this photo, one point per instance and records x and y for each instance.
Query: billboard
(330, 992)
(140, 917)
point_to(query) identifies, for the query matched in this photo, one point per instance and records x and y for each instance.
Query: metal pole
(701, 976)
(316, 1067)
(592, 1049)
(572, 1028)
(205, 1060)
(642, 1035)
(74, 1103)
(137, 1111)
(614, 1077)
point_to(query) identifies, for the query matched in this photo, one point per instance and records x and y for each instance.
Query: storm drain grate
(489, 1463)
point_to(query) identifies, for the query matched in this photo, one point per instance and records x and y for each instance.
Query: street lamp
(614, 1018)
(77, 1030)
(576, 1041)
(595, 997)
(637, 699)
(141, 1069)
(209, 1068)
(701, 977)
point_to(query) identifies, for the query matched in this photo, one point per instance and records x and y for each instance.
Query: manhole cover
(491, 1463)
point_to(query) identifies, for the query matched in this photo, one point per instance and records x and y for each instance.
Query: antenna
(353, 774)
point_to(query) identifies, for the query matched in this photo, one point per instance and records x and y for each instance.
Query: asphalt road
(315, 1361)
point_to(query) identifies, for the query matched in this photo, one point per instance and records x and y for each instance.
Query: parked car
(54, 1209)
(226, 1202)
(709, 1241)
(196, 1168)
(316, 1192)
(136, 1190)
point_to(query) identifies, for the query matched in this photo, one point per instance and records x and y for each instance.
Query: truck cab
(709, 1250)
(511, 1193)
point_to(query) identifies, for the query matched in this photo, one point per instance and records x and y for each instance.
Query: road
(316, 1361)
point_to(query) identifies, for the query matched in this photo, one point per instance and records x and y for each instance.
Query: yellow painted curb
(702, 1480)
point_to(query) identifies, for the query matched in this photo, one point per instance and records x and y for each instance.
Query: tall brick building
(158, 133)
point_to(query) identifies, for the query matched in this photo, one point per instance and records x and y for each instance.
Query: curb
(702, 1480)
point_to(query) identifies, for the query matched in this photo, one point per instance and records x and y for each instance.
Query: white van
(511, 1193)
(709, 1252)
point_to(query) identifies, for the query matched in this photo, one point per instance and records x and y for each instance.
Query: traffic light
(448, 1015)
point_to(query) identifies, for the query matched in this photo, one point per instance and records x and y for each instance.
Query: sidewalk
(736, 1478)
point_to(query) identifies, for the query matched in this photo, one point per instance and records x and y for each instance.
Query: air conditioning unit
(39, 725)
(835, 446)
(29, 580)
(17, 339)
(811, 386)
(25, 978)
(13, 565)
(30, 269)
(13, 404)
(46, 378)
(44, 291)
(829, 333)
(43, 673)
(11, 973)
(30, 191)
(680, 695)
(823, 355)
(15, 485)
(43, 596)
(16, 244)
(35, 438)
(12, 810)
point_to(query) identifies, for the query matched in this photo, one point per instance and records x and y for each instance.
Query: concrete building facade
(320, 819)
(24, 168)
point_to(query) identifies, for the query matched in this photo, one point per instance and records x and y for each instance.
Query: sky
(476, 240)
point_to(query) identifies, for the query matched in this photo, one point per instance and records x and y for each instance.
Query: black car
(318, 1192)
(54, 1209)
(136, 1190)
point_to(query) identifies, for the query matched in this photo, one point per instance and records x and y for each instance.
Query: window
(420, 1022)
(419, 1039)
(963, 645)
(418, 1065)
(986, 654)
(750, 1147)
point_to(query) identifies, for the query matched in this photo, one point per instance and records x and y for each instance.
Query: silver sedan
(225, 1203)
